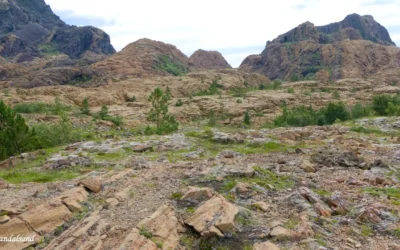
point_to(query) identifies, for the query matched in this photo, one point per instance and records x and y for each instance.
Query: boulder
(142, 148)
(163, 225)
(135, 241)
(338, 204)
(197, 195)
(4, 219)
(307, 167)
(47, 217)
(92, 184)
(215, 217)
(261, 206)
(313, 198)
(281, 233)
(16, 227)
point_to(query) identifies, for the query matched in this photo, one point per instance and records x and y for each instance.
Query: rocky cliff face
(358, 46)
(29, 29)
(202, 59)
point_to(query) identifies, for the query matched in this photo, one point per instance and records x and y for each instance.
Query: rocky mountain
(203, 59)
(29, 29)
(143, 58)
(358, 46)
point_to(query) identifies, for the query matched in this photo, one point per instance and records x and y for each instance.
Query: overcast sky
(234, 28)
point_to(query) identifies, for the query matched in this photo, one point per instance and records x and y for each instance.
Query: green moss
(190, 210)
(176, 196)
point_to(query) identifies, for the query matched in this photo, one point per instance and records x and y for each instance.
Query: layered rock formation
(29, 29)
(358, 46)
(146, 57)
(203, 59)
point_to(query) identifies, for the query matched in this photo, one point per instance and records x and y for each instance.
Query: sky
(234, 28)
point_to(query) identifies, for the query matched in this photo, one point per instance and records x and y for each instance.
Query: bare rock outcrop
(215, 217)
(203, 59)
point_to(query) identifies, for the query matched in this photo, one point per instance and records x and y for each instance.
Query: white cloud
(213, 25)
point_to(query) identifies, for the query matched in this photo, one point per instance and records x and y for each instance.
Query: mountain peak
(38, 32)
(203, 59)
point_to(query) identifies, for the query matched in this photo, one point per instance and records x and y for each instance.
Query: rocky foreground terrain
(229, 177)
(285, 188)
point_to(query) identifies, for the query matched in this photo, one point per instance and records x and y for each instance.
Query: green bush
(359, 111)
(277, 84)
(212, 89)
(39, 107)
(165, 122)
(31, 108)
(16, 136)
(305, 116)
(335, 95)
(246, 119)
(85, 109)
(335, 111)
(299, 116)
(212, 120)
(290, 90)
(103, 114)
(239, 101)
(393, 109)
(261, 86)
(380, 103)
(179, 103)
(52, 135)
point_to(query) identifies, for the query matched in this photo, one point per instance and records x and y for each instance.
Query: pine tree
(247, 120)
(103, 114)
(165, 123)
(15, 135)
(85, 107)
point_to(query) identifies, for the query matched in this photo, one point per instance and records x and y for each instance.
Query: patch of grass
(322, 192)
(228, 185)
(364, 130)
(230, 197)
(320, 239)
(190, 210)
(396, 232)
(366, 231)
(176, 196)
(244, 220)
(145, 233)
(17, 177)
(264, 178)
(290, 224)
(387, 191)
(109, 156)
(290, 90)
